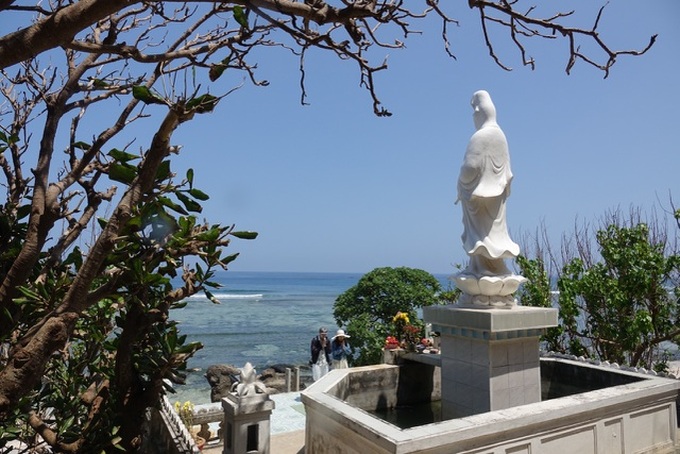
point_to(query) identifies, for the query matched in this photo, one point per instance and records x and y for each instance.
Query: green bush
(367, 309)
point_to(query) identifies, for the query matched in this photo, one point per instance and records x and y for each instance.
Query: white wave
(227, 296)
(230, 296)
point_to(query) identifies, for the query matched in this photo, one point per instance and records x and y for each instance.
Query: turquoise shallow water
(263, 318)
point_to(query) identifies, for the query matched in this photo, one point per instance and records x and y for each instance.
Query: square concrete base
(247, 424)
(489, 357)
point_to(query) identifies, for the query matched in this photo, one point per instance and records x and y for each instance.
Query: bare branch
(528, 26)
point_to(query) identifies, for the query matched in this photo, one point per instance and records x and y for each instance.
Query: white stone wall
(638, 417)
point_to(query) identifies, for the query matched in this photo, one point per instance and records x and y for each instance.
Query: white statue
(483, 189)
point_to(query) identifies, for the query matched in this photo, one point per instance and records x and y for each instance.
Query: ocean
(264, 318)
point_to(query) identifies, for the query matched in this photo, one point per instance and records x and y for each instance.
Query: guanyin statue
(483, 190)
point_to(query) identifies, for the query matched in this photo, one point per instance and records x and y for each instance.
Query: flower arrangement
(401, 318)
(407, 335)
(399, 322)
(391, 343)
(411, 334)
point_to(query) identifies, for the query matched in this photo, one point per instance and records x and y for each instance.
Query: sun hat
(340, 333)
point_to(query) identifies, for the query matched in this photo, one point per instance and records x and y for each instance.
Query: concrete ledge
(493, 320)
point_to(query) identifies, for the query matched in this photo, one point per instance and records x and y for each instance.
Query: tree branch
(56, 30)
(529, 26)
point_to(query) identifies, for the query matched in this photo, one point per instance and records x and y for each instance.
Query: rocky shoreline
(221, 378)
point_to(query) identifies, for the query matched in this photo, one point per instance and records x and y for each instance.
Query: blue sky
(332, 188)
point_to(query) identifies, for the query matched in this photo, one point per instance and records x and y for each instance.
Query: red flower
(391, 340)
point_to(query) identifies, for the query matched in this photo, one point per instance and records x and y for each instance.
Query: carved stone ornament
(249, 384)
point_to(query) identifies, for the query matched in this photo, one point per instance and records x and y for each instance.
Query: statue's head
(484, 110)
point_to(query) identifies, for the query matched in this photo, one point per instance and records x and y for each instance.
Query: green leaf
(229, 258)
(198, 194)
(211, 297)
(67, 423)
(179, 304)
(240, 16)
(75, 258)
(191, 347)
(163, 172)
(99, 83)
(8, 139)
(245, 235)
(216, 71)
(172, 205)
(145, 95)
(134, 224)
(212, 284)
(29, 293)
(121, 156)
(123, 173)
(202, 104)
(208, 235)
(82, 145)
(23, 211)
(190, 177)
(190, 204)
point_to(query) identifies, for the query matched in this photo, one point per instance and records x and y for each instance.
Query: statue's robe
(483, 189)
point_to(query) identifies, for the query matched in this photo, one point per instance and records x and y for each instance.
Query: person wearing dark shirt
(321, 354)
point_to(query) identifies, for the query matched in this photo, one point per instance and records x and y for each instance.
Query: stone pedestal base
(247, 424)
(489, 357)
(393, 356)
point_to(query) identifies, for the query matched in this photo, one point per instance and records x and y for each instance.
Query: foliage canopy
(619, 305)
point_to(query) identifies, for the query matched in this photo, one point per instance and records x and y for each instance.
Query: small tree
(620, 305)
(538, 292)
(368, 308)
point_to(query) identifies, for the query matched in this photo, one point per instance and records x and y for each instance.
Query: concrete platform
(282, 443)
(288, 443)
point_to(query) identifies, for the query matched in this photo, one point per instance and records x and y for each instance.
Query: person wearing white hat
(340, 350)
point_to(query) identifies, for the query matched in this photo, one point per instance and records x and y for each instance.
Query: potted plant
(186, 414)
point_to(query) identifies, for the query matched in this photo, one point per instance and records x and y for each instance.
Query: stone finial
(249, 384)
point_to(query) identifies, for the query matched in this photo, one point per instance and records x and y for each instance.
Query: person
(320, 362)
(483, 189)
(340, 350)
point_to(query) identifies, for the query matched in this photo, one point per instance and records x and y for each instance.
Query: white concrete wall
(638, 417)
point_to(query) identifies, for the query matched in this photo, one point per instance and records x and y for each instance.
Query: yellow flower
(186, 413)
(401, 316)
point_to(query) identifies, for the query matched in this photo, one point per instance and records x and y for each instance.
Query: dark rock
(281, 368)
(221, 377)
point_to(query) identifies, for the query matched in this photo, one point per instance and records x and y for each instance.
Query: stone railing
(169, 433)
(206, 414)
(210, 417)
